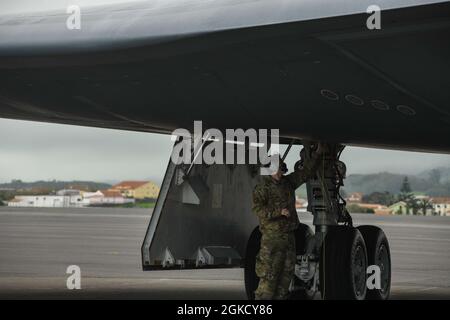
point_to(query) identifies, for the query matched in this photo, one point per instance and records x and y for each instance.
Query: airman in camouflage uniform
(274, 204)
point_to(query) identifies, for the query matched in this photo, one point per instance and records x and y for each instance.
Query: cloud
(33, 151)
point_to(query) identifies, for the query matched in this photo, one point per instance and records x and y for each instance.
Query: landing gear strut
(335, 259)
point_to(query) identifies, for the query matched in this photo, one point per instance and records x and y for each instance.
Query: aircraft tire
(251, 280)
(343, 265)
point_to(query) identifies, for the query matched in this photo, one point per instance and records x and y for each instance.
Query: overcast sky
(34, 151)
(31, 151)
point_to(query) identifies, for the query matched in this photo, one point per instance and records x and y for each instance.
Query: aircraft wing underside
(324, 78)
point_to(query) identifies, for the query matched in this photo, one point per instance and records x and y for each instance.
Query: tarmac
(37, 245)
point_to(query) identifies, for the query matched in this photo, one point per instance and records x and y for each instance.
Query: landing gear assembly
(203, 219)
(334, 260)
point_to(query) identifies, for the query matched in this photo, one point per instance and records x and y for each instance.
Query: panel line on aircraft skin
(336, 37)
(385, 77)
(62, 118)
(99, 107)
(26, 107)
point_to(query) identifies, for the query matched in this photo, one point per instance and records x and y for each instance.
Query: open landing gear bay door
(202, 218)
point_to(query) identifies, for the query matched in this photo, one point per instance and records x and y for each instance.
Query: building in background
(355, 197)
(111, 197)
(301, 204)
(399, 207)
(441, 206)
(105, 198)
(71, 199)
(68, 192)
(139, 190)
(47, 201)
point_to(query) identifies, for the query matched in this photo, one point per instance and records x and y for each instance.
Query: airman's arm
(300, 176)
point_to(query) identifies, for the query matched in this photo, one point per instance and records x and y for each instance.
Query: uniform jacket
(271, 196)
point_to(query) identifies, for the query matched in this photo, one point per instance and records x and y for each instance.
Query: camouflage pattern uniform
(276, 259)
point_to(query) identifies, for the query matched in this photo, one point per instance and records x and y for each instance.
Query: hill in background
(434, 182)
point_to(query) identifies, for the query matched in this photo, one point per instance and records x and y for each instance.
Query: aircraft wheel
(378, 253)
(251, 280)
(301, 237)
(343, 265)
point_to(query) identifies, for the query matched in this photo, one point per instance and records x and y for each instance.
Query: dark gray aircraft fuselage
(309, 68)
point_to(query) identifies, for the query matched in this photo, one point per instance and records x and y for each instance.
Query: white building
(105, 197)
(441, 205)
(47, 201)
(68, 192)
(71, 199)
(92, 198)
